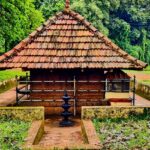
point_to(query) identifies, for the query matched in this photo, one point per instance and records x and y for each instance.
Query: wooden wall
(84, 98)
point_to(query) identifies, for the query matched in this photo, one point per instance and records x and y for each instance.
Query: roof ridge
(67, 4)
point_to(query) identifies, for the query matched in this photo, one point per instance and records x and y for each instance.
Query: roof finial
(67, 6)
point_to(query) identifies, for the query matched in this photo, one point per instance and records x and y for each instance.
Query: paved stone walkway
(140, 101)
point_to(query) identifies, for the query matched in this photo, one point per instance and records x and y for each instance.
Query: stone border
(35, 134)
(88, 131)
(33, 114)
(23, 113)
(101, 112)
(91, 141)
(90, 135)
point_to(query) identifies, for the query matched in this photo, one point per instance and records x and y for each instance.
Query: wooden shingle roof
(67, 40)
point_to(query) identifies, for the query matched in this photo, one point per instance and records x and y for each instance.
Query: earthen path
(8, 98)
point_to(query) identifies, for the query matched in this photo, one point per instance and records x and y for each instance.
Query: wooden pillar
(134, 90)
(17, 99)
(74, 81)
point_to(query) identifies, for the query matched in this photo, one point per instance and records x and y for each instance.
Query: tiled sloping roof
(68, 41)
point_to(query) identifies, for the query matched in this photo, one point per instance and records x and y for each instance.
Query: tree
(50, 7)
(18, 19)
(122, 29)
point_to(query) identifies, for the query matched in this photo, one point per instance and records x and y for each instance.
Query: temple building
(67, 53)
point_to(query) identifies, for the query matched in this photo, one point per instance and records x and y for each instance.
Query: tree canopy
(18, 19)
(126, 22)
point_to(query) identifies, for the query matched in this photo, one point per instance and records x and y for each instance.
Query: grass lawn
(9, 74)
(144, 71)
(12, 133)
(123, 134)
(146, 82)
(141, 76)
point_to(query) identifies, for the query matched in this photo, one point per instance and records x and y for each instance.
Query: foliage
(51, 7)
(18, 19)
(12, 133)
(144, 71)
(9, 74)
(147, 68)
(131, 133)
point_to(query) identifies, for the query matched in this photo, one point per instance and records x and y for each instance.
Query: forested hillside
(126, 22)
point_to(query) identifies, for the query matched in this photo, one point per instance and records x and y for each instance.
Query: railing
(25, 90)
(109, 86)
(125, 87)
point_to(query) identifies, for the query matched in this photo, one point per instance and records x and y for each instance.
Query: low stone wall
(6, 85)
(143, 90)
(101, 112)
(89, 134)
(35, 134)
(23, 113)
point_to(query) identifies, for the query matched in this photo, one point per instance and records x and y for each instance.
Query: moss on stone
(39, 133)
(85, 138)
(101, 112)
(23, 113)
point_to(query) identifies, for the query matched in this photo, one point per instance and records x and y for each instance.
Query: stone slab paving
(56, 136)
(140, 101)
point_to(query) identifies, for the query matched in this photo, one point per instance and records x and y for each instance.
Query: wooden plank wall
(84, 98)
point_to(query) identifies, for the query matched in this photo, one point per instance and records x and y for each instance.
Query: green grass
(124, 134)
(144, 71)
(147, 68)
(9, 74)
(12, 133)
